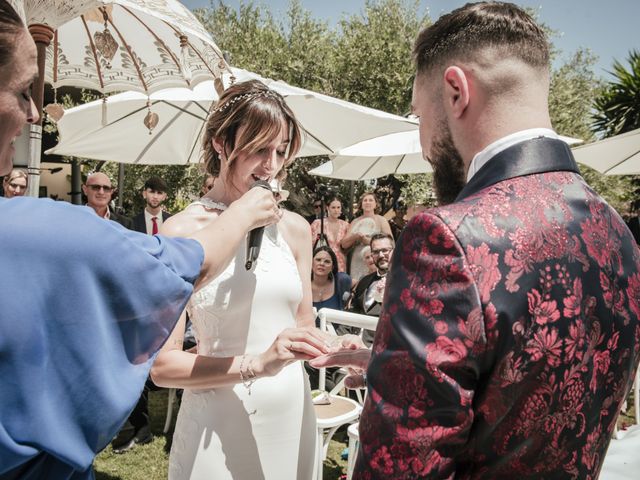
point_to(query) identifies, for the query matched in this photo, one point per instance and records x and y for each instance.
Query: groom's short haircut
(461, 34)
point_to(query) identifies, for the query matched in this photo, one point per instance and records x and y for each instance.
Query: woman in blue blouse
(330, 287)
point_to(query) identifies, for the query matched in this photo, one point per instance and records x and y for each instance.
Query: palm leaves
(618, 107)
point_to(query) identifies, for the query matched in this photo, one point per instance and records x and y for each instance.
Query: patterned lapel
(532, 156)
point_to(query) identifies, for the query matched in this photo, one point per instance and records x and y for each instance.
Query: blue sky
(610, 28)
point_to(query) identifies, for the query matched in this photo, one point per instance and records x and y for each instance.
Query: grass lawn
(151, 461)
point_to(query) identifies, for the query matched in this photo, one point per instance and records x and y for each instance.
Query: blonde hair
(16, 173)
(261, 112)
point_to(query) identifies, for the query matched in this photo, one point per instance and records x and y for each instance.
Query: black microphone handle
(254, 240)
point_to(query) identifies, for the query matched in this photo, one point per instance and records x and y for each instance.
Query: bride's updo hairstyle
(247, 118)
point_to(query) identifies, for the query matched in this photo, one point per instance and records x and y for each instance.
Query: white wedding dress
(228, 433)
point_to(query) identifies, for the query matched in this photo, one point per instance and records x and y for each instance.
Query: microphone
(254, 240)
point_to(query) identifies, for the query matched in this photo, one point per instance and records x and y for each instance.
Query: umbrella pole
(76, 183)
(120, 186)
(352, 186)
(42, 36)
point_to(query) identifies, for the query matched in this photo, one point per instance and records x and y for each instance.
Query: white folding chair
(623, 456)
(171, 399)
(342, 410)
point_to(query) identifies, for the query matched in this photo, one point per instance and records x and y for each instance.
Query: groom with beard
(509, 332)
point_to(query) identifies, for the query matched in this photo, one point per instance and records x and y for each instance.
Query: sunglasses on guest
(97, 188)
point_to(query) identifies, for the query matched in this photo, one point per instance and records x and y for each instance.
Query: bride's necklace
(212, 204)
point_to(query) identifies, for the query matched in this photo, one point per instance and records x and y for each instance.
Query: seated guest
(328, 285)
(150, 219)
(15, 184)
(98, 191)
(330, 289)
(367, 258)
(367, 297)
(369, 291)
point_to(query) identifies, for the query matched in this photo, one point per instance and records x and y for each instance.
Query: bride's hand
(258, 207)
(290, 345)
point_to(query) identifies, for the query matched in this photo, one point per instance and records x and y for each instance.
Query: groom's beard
(448, 167)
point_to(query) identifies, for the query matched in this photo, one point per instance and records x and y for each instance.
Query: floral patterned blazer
(510, 330)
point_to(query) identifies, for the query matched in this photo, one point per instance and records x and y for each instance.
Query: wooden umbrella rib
(144, 84)
(55, 58)
(93, 50)
(201, 58)
(193, 48)
(166, 48)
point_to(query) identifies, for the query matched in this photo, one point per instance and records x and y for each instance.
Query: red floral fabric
(508, 339)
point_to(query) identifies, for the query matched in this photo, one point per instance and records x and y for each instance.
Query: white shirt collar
(148, 215)
(491, 150)
(149, 223)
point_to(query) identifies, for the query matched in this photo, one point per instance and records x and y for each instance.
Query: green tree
(617, 110)
(373, 55)
(573, 90)
(618, 107)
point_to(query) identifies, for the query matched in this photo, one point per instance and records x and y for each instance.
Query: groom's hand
(356, 359)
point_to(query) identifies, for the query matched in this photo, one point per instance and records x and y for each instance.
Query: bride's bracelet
(247, 376)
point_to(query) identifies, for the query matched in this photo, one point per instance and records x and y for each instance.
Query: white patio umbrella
(398, 153)
(121, 45)
(329, 124)
(618, 155)
(115, 45)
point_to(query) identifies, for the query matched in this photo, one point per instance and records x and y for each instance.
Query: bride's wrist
(257, 365)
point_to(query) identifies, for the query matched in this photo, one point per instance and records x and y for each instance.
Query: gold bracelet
(247, 376)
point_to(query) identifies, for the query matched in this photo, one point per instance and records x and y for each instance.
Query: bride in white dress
(246, 412)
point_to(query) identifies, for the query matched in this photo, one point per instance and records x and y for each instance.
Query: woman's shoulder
(296, 231)
(189, 220)
(294, 223)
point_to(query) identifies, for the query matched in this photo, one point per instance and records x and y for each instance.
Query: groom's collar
(537, 155)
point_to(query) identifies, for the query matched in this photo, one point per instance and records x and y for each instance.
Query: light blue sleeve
(85, 306)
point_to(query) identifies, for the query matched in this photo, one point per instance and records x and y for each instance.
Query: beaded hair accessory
(246, 96)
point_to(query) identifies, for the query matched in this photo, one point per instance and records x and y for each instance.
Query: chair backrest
(329, 317)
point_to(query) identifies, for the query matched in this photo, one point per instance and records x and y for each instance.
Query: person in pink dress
(335, 229)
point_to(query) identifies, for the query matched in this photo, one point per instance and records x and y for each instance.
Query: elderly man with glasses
(98, 190)
(367, 297)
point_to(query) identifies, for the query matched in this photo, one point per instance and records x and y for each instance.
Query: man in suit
(509, 333)
(98, 190)
(367, 294)
(137, 430)
(153, 216)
